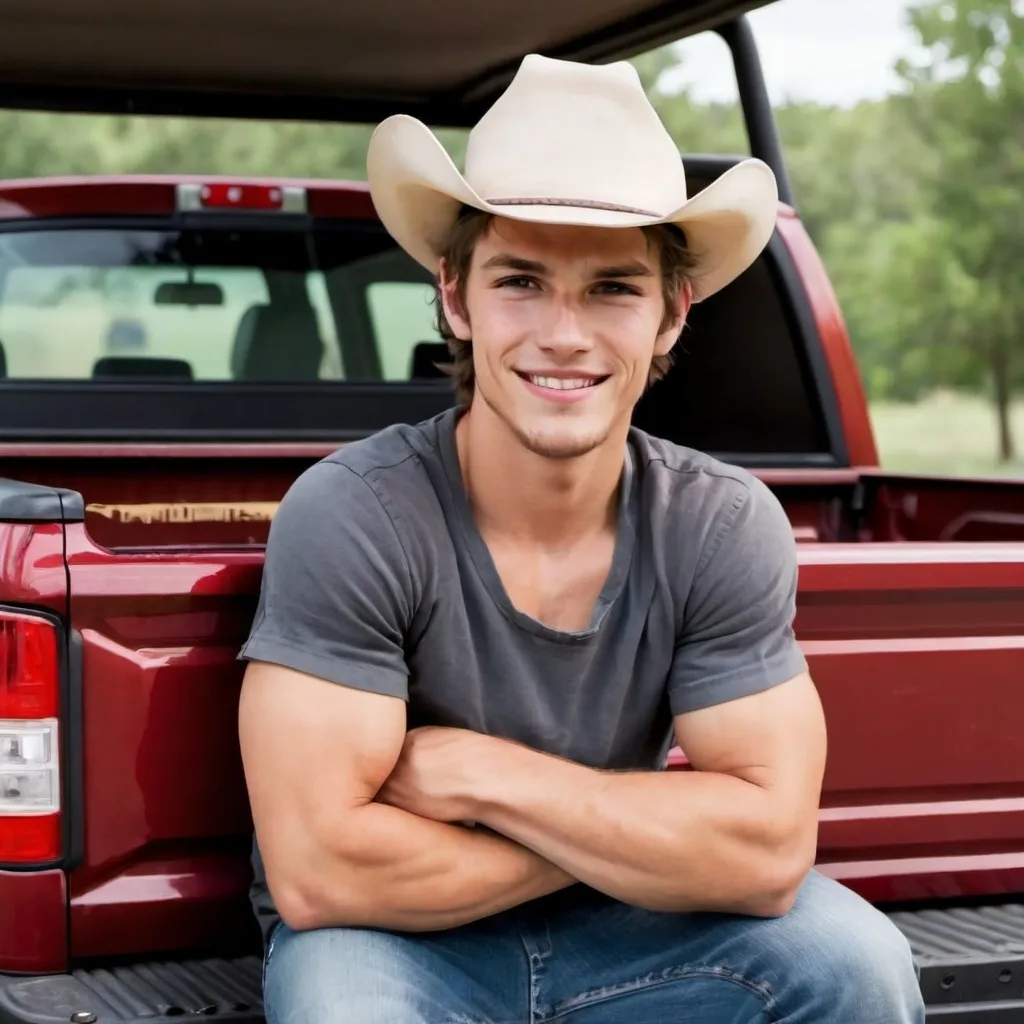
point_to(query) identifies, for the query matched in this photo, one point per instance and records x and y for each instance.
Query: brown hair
(677, 262)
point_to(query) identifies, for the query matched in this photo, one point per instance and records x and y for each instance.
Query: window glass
(58, 322)
(402, 314)
(206, 305)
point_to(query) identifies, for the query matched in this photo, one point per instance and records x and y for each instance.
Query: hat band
(586, 204)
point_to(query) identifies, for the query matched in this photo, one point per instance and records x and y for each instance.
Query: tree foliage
(914, 200)
(966, 97)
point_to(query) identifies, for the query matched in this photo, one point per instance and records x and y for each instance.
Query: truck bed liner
(971, 960)
(161, 992)
(969, 955)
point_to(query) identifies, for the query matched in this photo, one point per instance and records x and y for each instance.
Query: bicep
(313, 752)
(774, 739)
(337, 593)
(736, 637)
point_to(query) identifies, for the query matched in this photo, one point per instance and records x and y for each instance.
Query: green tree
(914, 312)
(857, 165)
(966, 93)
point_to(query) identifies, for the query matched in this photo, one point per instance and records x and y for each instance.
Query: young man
(478, 636)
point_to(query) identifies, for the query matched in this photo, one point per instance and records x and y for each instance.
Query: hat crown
(576, 133)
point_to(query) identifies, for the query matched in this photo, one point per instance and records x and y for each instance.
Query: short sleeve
(337, 593)
(737, 634)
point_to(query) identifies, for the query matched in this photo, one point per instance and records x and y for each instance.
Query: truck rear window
(211, 305)
(262, 329)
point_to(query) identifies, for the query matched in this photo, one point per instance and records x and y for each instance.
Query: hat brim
(418, 191)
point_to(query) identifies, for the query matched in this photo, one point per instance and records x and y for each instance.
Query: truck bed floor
(971, 961)
(160, 992)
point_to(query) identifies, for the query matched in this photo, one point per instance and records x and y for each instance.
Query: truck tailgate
(167, 835)
(918, 653)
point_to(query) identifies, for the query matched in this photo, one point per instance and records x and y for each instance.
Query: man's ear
(454, 308)
(670, 335)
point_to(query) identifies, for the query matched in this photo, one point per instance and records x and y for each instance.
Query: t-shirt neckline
(618, 573)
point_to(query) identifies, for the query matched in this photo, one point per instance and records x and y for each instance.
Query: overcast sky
(833, 51)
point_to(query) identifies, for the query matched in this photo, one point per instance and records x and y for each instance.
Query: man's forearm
(387, 868)
(662, 840)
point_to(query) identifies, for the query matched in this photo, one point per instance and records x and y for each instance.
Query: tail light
(30, 802)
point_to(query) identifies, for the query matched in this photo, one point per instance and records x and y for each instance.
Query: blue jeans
(578, 957)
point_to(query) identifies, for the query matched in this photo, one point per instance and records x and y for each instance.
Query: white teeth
(563, 384)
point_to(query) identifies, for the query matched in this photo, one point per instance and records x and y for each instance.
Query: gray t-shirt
(376, 577)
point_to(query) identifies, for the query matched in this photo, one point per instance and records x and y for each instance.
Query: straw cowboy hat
(569, 143)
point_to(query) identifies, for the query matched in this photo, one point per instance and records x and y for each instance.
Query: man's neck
(521, 496)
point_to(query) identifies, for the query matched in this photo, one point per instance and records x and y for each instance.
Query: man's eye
(516, 282)
(616, 288)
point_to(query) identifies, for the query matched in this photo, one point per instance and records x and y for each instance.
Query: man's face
(565, 321)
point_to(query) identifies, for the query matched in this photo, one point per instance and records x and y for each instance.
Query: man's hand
(435, 773)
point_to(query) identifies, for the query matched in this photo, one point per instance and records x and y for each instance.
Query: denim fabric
(581, 958)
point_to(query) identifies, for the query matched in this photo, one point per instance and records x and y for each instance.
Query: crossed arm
(359, 823)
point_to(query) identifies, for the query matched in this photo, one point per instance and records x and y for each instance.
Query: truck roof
(320, 59)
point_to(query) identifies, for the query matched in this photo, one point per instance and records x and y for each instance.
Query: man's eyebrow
(506, 261)
(622, 270)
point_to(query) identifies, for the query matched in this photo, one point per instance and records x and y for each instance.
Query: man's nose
(566, 331)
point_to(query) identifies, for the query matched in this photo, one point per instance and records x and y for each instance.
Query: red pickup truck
(175, 351)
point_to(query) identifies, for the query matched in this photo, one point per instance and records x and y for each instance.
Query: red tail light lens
(30, 804)
(28, 667)
(32, 839)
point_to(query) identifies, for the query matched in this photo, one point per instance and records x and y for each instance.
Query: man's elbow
(295, 909)
(306, 907)
(313, 876)
(306, 898)
(774, 901)
(779, 875)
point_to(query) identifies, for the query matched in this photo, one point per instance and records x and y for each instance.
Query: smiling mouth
(561, 383)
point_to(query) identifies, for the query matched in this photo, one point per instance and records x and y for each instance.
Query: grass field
(947, 433)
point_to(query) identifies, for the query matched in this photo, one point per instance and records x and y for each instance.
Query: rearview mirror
(189, 293)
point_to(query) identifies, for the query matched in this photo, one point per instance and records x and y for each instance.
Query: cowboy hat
(569, 143)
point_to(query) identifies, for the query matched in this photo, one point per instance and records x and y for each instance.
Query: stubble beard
(561, 446)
